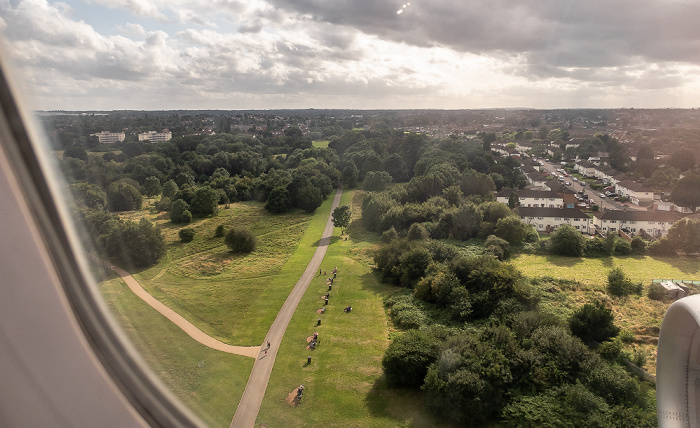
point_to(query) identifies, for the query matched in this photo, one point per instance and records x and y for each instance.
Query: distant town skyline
(274, 54)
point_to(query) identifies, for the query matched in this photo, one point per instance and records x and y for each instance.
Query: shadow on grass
(326, 241)
(405, 406)
(563, 261)
(359, 233)
(687, 265)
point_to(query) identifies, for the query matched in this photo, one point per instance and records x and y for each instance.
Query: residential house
(548, 219)
(636, 192)
(567, 195)
(532, 198)
(585, 168)
(653, 223)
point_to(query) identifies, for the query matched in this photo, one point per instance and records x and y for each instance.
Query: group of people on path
(314, 339)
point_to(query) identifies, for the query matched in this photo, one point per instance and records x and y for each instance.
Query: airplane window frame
(22, 140)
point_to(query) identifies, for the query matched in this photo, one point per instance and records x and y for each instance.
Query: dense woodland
(475, 340)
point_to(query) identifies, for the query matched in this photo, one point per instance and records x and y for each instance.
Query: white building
(532, 198)
(654, 223)
(634, 191)
(548, 219)
(156, 137)
(107, 137)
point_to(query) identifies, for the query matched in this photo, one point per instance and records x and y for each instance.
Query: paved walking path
(249, 406)
(177, 319)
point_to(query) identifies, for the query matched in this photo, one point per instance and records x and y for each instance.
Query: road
(603, 203)
(249, 406)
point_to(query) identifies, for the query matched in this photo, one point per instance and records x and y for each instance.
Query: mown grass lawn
(231, 297)
(209, 382)
(638, 314)
(321, 144)
(344, 384)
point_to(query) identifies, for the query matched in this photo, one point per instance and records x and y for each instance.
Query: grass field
(209, 382)
(322, 144)
(231, 297)
(343, 384)
(638, 314)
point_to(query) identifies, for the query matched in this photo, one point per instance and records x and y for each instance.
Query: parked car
(575, 179)
(602, 195)
(568, 183)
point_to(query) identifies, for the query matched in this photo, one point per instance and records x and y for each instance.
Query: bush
(619, 284)
(595, 248)
(593, 321)
(186, 235)
(498, 247)
(220, 231)
(389, 235)
(407, 358)
(240, 240)
(180, 212)
(638, 245)
(657, 292)
(623, 248)
(567, 241)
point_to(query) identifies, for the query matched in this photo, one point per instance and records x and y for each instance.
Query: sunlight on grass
(344, 383)
(638, 314)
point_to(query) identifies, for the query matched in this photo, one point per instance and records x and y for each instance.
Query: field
(637, 314)
(210, 382)
(236, 299)
(343, 384)
(231, 297)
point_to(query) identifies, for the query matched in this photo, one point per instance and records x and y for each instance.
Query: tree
(205, 202)
(75, 152)
(220, 231)
(593, 321)
(279, 201)
(122, 196)
(350, 174)
(179, 212)
(135, 244)
(240, 240)
(567, 241)
(341, 217)
(90, 195)
(308, 198)
(465, 222)
(170, 189)
(376, 180)
(152, 186)
(513, 200)
(407, 358)
(512, 230)
(683, 159)
(684, 235)
(186, 234)
(686, 193)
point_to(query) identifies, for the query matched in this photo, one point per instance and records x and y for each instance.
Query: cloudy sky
(260, 54)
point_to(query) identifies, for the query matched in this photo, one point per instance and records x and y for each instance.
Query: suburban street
(603, 203)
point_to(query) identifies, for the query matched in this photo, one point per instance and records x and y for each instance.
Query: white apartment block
(156, 137)
(107, 137)
(532, 198)
(654, 223)
(548, 219)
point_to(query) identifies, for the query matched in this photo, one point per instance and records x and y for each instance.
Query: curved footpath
(177, 319)
(249, 406)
